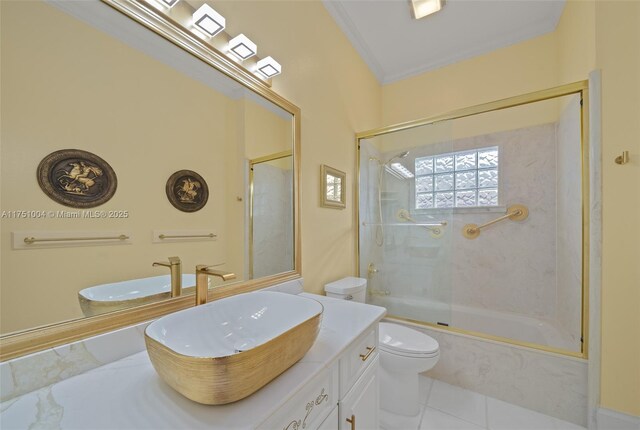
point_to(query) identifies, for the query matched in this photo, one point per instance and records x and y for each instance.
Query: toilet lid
(404, 340)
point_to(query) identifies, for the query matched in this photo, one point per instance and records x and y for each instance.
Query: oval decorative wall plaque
(187, 191)
(77, 178)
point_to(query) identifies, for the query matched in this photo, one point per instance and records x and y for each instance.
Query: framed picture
(76, 178)
(333, 192)
(187, 191)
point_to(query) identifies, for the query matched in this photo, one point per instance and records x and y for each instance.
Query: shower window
(460, 179)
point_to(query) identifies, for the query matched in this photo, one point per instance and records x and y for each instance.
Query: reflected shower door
(406, 198)
(271, 236)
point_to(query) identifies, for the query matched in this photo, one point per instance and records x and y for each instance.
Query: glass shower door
(405, 208)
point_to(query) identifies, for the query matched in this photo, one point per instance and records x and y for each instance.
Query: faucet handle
(174, 260)
(206, 266)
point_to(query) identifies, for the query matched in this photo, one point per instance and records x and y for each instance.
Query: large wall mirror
(85, 76)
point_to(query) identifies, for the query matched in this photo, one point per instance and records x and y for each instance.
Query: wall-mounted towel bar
(31, 239)
(190, 235)
(514, 213)
(436, 230)
(399, 224)
(185, 236)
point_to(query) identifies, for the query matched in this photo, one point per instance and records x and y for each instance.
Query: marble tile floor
(447, 407)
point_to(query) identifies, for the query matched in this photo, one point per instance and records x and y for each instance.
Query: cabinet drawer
(356, 359)
(310, 406)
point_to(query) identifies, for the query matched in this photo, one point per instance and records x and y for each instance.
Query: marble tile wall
(34, 371)
(552, 384)
(511, 267)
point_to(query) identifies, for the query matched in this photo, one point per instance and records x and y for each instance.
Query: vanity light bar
(168, 3)
(242, 47)
(402, 170)
(208, 20)
(210, 23)
(268, 67)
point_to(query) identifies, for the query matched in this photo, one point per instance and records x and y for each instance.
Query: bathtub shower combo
(472, 228)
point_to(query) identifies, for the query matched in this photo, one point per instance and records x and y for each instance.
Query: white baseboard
(612, 420)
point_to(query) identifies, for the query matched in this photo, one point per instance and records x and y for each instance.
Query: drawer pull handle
(370, 350)
(352, 421)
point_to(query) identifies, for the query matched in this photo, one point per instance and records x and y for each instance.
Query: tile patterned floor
(447, 407)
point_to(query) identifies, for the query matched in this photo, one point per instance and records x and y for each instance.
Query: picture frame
(77, 178)
(333, 189)
(187, 191)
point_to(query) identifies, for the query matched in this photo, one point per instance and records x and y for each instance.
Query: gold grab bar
(30, 240)
(514, 213)
(182, 236)
(434, 229)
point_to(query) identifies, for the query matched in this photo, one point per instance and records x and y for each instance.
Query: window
(459, 179)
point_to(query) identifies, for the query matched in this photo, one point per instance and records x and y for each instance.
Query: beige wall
(590, 34)
(518, 69)
(338, 95)
(618, 56)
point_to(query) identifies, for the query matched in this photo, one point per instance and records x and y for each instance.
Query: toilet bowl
(404, 353)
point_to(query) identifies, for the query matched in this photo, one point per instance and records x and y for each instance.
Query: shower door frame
(581, 88)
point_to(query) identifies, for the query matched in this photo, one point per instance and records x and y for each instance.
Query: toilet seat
(403, 341)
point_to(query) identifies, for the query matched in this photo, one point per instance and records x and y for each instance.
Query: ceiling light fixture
(208, 20)
(268, 67)
(422, 8)
(399, 168)
(242, 47)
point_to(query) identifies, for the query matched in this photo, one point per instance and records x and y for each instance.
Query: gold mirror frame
(44, 337)
(325, 202)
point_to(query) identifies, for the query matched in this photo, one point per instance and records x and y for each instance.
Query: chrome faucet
(202, 285)
(175, 265)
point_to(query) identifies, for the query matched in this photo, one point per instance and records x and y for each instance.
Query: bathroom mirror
(85, 76)
(333, 193)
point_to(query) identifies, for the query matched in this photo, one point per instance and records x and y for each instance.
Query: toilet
(404, 354)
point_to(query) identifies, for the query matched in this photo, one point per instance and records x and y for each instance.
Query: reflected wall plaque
(77, 178)
(187, 191)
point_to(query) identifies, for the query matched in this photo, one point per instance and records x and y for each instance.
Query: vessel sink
(226, 350)
(125, 294)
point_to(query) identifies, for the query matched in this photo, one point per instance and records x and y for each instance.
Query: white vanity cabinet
(359, 410)
(344, 396)
(359, 384)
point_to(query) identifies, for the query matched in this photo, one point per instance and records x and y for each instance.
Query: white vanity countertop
(129, 394)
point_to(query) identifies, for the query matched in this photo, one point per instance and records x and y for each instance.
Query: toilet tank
(350, 288)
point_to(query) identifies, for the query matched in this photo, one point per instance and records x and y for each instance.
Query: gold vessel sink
(226, 350)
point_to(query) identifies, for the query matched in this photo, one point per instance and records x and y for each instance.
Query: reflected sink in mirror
(105, 298)
(226, 350)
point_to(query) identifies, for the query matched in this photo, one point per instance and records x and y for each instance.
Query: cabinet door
(331, 423)
(359, 410)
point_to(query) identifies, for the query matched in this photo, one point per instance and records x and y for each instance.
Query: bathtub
(484, 358)
(510, 326)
